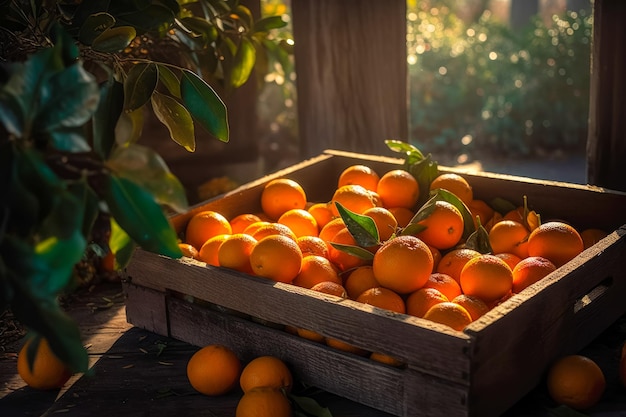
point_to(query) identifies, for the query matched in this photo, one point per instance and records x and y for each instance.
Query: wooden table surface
(138, 373)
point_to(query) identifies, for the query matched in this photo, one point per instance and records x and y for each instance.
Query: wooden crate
(481, 371)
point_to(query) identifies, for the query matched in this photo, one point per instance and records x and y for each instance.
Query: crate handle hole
(595, 293)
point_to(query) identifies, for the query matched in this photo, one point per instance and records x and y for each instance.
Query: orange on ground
(576, 381)
(403, 215)
(444, 226)
(353, 197)
(300, 221)
(592, 236)
(264, 402)
(322, 213)
(452, 262)
(398, 188)
(330, 287)
(315, 269)
(454, 183)
(509, 236)
(359, 280)
(204, 225)
(343, 260)
(346, 347)
(312, 245)
(331, 229)
(47, 372)
(530, 270)
(234, 252)
(385, 221)
(273, 228)
(510, 259)
(361, 175)
(214, 370)
(280, 195)
(266, 371)
(450, 314)
(239, 223)
(187, 250)
(486, 277)
(383, 298)
(209, 251)
(444, 283)
(403, 264)
(557, 241)
(474, 305)
(420, 301)
(276, 257)
(481, 209)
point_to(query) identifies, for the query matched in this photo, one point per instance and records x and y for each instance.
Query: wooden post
(350, 57)
(606, 144)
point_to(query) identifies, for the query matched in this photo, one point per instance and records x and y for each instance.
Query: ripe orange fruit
(359, 280)
(450, 314)
(592, 236)
(436, 256)
(322, 213)
(208, 252)
(353, 197)
(486, 277)
(509, 236)
(494, 219)
(510, 259)
(300, 221)
(310, 335)
(273, 228)
(452, 262)
(361, 175)
(234, 252)
(530, 270)
(385, 221)
(187, 250)
(383, 298)
(444, 283)
(454, 183)
(47, 372)
(214, 370)
(251, 228)
(204, 225)
(386, 359)
(346, 347)
(266, 371)
(444, 226)
(398, 188)
(576, 381)
(474, 305)
(264, 402)
(330, 287)
(403, 264)
(276, 257)
(403, 215)
(239, 223)
(516, 214)
(420, 301)
(343, 260)
(280, 195)
(316, 269)
(312, 245)
(481, 209)
(331, 228)
(557, 241)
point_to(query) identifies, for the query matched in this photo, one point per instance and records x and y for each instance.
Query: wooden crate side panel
(146, 308)
(559, 315)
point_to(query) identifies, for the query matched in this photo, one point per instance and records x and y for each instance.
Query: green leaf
(20, 212)
(424, 171)
(129, 127)
(11, 115)
(88, 200)
(354, 250)
(479, 241)
(308, 407)
(176, 118)
(69, 139)
(36, 176)
(114, 39)
(169, 80)
(147, 18)
(94, 25)
(107, 115)
(268, 23)
(136, 211)
(501, 205)
(362, 228)
(121, 245)
(244, 14)
(204, 105)
(200, 27)
(243, 64)
(407, 149)
(139, 85)
(443, 195)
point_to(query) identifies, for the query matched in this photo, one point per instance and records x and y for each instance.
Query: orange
(509, 236)
(386, 359)
(273, 228)
(300, 221)
(530, 270)
(592, 236)
(385, 221)
(403, 264)
(251, 228)
(316, 269)
(276, 257)
(322, 213)
(204, 225)
(280, 195)
(474, 305)
(420, 301)
(510, 259)
(343, 260)
(494, 219)
(234, 252)
(361, 175)
(47, 372)
(452, 262)
(403, 215)
(214, 370)
(353, 197)
(481, 209)
(557, 241)
(264, 402)
(444, 283)
(209, 251)
(266, 371)
(330, 287)
(312, 245)
(346, 347)
(331, 228)
(576, 381)
(516, 214)
(436, 256)
(486, 277)
(450, 314)
(239, 223)
(310, 335)
(359, 280)
(187, 250)
(444, 226)
(398, 188)
(383, 298)
(454, 183)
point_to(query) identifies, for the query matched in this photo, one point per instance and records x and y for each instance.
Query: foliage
(72, 99)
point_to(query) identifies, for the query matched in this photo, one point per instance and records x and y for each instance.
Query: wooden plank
(146, 308)
(350, 57)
